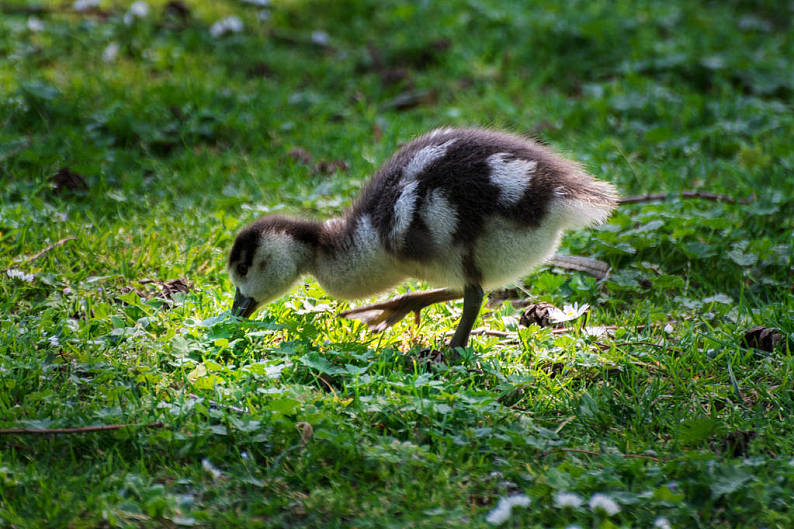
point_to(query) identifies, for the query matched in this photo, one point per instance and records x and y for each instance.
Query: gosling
(466, 210)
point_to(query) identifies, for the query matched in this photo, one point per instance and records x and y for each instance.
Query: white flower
(54, 342)
(137, 10)
(568, 499)
(111, 52)
(85, 5)
(662, 523)
(604, 503)
(35, 25)
(211, 469)
(668, 329)
(501, 513)
(320, 38)
(568, 313)
(13, 273)
(227, 25)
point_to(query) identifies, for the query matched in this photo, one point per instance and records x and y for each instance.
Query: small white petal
(35, 25)
(604, 503)
(320, 38)
(568, 499)
(111, 52)
(662, 523)
(668, 329)
(501, 513)
(568, 313)
(234, 24)
(85, 5)
(227, 25)
(217, 29)
(13, 273)
(139, 9)
(214, 471)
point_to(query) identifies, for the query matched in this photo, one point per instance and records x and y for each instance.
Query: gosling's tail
(585, 200)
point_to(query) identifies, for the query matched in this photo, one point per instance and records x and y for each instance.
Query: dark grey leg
(472, 301)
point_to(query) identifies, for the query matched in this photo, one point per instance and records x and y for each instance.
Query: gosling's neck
(350, 261)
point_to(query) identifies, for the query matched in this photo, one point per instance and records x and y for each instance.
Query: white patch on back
(365, 236)
(405, 205)
(510, 176)
(404, 211)
(441, 218)
(423, 158)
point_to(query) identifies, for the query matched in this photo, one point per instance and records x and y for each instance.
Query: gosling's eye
(242, 269)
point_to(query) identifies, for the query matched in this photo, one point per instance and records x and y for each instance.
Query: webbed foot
(381, 316)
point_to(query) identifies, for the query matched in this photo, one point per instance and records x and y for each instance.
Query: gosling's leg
(472, 301)
(381, 316)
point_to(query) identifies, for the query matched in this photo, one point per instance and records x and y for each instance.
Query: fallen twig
(594, 267)
(662, 347)
(480, 331)
(42, 252)
(595, 328)
(85, 429)
(595, 453)
(685, 194)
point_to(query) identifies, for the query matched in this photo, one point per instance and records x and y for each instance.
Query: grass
(300, 419)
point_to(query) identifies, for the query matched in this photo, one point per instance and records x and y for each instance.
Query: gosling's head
(267, 258)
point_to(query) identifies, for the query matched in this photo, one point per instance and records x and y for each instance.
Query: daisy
(568, 313)
(604, 503)
(501, 513)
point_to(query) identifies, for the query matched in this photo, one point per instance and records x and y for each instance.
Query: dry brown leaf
(764, 338)
(412, 99)
(167, 289)
(538, 314)
(67, 180)
(300, 154)
(306, 430)
(330, 166)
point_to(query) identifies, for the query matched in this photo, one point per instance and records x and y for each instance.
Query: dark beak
(243, 306)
